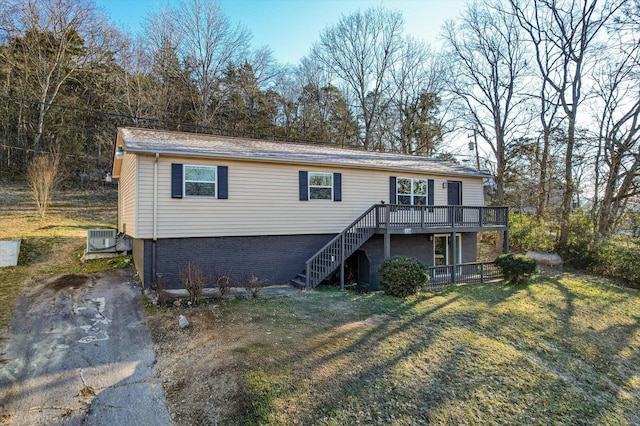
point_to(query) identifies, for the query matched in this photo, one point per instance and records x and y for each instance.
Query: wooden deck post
(387, 216)
(454, 250)
(387, 245)
(505, 234)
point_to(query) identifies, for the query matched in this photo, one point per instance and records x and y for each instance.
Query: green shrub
(402, 276)
(516, 268)
(618, 257)
(528, 234)
(580, 252)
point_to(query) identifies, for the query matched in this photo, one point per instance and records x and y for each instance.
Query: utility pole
(474, 145)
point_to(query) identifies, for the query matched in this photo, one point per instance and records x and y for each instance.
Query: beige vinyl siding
(264, 200)
(472, 192)
(127, 191)
(145, 195)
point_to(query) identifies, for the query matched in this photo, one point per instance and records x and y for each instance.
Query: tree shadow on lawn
(371, 381)
(589, 376)
(587, 337)
(348, 357)
(489, 295)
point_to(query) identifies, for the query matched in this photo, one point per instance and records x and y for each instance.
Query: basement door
(442, 250)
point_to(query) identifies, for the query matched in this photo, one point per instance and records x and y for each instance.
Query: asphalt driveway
(80, 354)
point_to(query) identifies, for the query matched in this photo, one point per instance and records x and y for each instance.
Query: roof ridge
(297, 143)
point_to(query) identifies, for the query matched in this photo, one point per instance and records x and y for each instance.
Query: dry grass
(53, 244)
(563, 350)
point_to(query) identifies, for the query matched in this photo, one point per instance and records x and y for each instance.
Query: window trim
(309, 186)
(184, 181)
(412, 195)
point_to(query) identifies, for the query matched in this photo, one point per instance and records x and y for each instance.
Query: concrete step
(298, 282)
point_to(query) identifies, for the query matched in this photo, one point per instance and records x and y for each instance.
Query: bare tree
(322, 112)
(361, 49)
(417, 80)
(58, 38)
(549, 122)
(488, 69)
(617, 112)
(42, 177)
(206, 41)
(563, 34)
(135, 78)
(175, 95)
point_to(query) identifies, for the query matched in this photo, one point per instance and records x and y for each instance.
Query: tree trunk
(567, 198)
(542, 185)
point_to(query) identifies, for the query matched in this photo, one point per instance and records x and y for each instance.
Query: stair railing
(335, 252)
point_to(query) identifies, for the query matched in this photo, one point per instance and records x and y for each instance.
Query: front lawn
(562, 350)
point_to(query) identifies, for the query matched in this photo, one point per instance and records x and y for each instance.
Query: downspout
(155, 219)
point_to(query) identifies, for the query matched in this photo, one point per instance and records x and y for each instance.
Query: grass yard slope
(562, 350)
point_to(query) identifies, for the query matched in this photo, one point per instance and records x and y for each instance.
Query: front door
(454, 198)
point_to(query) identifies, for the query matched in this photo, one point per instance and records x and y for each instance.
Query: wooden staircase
(322, 264)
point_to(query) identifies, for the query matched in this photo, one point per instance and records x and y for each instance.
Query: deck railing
(465, 273)
(404, 216)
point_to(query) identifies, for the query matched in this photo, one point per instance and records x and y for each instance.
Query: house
(286, 211)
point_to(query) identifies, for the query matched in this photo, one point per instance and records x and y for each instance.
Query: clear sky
(290, 27)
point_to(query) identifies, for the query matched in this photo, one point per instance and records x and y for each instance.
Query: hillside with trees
(545, 93)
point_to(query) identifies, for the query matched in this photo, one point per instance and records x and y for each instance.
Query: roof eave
(117, 162)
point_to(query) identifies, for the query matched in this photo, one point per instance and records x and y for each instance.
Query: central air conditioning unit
(101, 241)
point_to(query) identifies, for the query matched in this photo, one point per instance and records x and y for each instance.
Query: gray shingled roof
(203, 145)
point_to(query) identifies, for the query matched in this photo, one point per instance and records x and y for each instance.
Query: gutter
(155, 219)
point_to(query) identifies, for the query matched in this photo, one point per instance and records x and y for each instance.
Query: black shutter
(304, 186)
(337, 187)
(176, 180)
(430, 193)
(223, 182)
(393, 190)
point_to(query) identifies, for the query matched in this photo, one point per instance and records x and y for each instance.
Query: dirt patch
(6, 419)
(72, 281)
(196, 366)
(86, 395)
(372, 321)
(219, 369)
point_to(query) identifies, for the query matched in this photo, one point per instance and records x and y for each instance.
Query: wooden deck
(399, 219)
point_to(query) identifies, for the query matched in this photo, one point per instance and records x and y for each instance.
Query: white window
(200, 181)
(412, 192)
(320, 186)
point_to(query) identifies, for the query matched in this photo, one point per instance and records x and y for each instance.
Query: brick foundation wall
(137, 250)
(275, 259)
